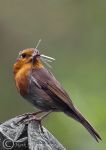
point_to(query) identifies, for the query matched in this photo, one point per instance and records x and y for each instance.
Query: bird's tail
(75, 114)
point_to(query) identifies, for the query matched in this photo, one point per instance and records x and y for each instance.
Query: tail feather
(91, 130)
(75, 114)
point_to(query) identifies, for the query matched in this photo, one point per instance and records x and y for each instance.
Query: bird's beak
(35, 56)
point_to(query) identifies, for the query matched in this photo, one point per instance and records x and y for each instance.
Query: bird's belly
(40, 100)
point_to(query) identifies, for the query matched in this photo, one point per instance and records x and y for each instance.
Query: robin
(39, 86)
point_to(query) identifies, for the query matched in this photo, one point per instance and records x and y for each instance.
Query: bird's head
(30, 57)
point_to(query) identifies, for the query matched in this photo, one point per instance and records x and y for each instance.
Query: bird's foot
(34, 118)
(29, 117)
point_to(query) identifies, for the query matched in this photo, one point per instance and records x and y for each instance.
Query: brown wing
(52, 87)
(47, 82)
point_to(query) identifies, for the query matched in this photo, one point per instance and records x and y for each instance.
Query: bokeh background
(73, 32)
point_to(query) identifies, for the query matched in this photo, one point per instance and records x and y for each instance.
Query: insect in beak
(44, 58)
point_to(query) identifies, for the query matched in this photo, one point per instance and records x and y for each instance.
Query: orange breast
(22, 79)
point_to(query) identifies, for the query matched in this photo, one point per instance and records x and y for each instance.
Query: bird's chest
(22, 82)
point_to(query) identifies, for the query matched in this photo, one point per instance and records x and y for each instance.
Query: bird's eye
(23, 55)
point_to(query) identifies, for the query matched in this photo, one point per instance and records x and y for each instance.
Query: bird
(38, 85)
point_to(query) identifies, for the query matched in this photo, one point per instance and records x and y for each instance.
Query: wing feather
(52, 87)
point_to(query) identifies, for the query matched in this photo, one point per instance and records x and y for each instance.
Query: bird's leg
(39, 119)
(46, 114)
(28, 115)
(42, 117)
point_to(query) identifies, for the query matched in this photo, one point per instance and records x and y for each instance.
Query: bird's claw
(34, 118)
(29, 117)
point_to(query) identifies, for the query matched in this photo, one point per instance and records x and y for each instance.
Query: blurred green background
(73, 32)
